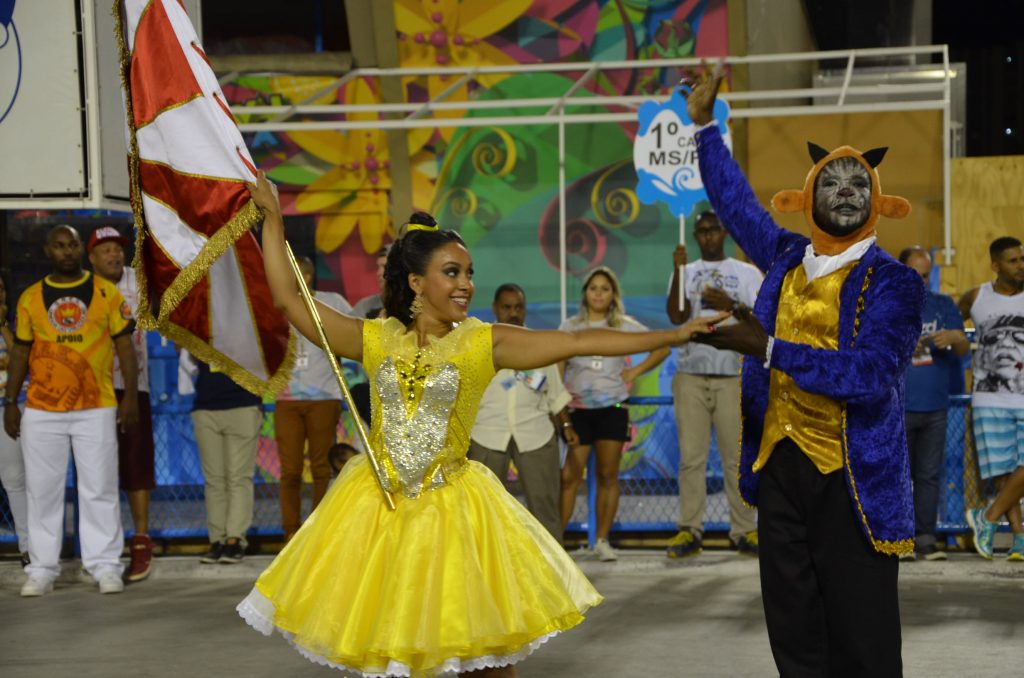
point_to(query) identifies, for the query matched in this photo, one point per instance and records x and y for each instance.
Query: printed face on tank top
(1001, 355)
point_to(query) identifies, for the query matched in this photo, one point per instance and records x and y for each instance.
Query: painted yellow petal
(480, 18)
(358, 143)
(371, 232)
(422, 191)
(329, 190)
(297, 89)
(360, 92)
(436, 85)
(413, 55)
(324, 144)
(368, 202)
(425, 162)
(338, 179)
(484, 54)
(416, 139)
(410, 17)
(318, 201)
(332, 230)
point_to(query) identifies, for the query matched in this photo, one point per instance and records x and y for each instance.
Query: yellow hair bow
(421, 227)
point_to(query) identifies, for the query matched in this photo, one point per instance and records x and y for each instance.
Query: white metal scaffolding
(933, 94)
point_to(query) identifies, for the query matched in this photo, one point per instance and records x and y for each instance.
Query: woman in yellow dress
(459, 577)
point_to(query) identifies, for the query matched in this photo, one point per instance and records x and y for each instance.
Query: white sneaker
(36, 586)
(110, 582)
(604, 551)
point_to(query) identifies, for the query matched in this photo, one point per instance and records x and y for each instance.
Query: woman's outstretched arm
(344, 332)
(518, 348)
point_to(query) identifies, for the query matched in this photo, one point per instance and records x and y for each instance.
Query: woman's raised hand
(264, 194)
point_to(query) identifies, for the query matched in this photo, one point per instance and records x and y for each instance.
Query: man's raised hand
(700, 102)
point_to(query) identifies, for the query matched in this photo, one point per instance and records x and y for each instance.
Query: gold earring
(416, 307)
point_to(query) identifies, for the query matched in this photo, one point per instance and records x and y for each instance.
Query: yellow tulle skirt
(460, 578)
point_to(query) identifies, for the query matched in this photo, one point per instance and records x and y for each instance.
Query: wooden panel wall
(777, 159)
(987, 203)
(987, 194)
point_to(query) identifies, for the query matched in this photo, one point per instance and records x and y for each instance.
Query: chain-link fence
(649, 476)
(650, 491)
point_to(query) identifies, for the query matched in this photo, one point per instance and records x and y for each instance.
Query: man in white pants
(67, 325)
(12, 463)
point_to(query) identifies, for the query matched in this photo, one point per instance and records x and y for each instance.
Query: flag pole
(314, 315)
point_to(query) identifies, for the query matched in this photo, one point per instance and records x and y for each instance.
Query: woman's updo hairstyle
(411, 254)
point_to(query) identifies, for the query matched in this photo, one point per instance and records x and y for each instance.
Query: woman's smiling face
(446, 287)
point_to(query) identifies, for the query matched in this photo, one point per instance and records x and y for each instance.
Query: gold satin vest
(808, 314)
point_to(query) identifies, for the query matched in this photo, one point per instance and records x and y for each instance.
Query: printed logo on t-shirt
(67, 314)
(715, 278)
(999, 366)
(923, 352)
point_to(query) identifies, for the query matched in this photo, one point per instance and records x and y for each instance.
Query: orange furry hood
(892, 206)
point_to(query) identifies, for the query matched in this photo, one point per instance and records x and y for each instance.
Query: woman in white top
(599, 386)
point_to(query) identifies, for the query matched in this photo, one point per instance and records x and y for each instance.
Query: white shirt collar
(820, 265)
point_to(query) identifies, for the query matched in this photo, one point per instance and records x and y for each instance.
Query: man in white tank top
(997, 311)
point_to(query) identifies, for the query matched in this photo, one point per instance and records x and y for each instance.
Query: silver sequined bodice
(414, 434)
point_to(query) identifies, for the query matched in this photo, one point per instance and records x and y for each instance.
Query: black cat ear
(874, 156)
(816, 151)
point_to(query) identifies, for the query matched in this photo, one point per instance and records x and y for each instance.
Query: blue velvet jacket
(880, 311)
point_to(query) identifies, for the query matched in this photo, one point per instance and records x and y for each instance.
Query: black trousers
(830, 601)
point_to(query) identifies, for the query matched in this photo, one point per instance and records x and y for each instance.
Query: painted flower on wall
(352, 190)
(434, 33)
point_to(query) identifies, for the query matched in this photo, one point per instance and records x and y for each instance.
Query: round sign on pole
(665, 153)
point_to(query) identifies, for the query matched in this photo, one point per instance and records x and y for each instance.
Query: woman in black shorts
(599, 386)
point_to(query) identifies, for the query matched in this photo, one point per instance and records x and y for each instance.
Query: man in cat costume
(824, 452)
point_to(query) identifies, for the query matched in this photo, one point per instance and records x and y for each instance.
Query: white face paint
(842, 197)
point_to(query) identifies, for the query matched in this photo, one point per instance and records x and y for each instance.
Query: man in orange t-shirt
(68, 326)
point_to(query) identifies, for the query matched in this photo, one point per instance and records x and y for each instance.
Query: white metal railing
(564, 109)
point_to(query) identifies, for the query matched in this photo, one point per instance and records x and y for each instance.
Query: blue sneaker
(1017, 550)
(984, 532)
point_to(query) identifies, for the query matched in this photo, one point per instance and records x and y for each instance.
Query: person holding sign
(824, 449)
(706, 386)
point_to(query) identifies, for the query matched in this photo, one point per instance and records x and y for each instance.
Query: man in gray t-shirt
(706, 386)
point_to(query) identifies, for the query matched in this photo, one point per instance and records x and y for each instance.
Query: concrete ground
(698, 617)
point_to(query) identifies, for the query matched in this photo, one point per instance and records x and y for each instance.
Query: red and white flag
(200, 268)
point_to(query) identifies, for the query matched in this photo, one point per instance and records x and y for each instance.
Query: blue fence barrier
(650, 491)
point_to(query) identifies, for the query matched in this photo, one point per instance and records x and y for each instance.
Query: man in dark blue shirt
(935, 373)
(226, 421)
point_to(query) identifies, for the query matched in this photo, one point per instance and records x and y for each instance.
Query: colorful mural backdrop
(498, 186)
